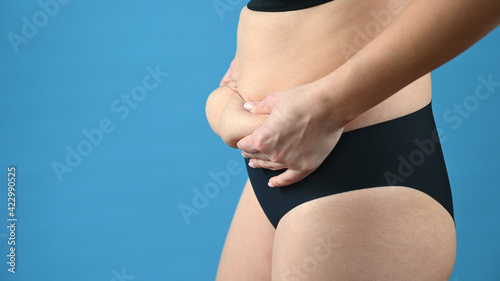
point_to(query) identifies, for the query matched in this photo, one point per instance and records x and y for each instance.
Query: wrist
(331, 93)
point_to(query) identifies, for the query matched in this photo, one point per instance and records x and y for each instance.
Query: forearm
(427, 34)
(237, 123)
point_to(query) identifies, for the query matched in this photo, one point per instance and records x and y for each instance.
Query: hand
(298, 134)
(235, 122)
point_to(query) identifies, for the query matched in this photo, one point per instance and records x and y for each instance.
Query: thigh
(382, 233)
(249, 242)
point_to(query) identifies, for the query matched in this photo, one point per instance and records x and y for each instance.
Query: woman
(329, 101)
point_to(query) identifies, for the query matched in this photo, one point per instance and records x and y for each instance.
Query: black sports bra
(282, 5)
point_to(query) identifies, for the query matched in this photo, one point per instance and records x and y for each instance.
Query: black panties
(401, 152)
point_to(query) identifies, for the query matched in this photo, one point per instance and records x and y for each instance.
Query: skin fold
(300, 79)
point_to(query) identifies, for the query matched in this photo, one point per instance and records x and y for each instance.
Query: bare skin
(425, 35)
(382, 233)
(247, 253)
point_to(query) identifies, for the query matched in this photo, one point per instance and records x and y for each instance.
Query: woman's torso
(280, 50)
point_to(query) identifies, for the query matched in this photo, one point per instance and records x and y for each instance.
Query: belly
(277, 51)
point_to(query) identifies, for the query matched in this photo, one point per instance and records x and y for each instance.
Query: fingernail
(251, 165)
(249, 105)
(270, 184)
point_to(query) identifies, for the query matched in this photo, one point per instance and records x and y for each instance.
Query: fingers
(256, 163)
(288, 177)
(263, 107)
(251, 147)
(246, 145)
(266, 105)
(249, 106)
(256, 155)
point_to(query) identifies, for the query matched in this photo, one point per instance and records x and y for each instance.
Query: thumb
(246, 144)
(290, 176)
(266, 105)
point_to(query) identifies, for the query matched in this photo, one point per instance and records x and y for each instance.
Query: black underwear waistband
(405, 151)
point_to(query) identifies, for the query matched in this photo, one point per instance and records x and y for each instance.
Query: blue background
(117, 212)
